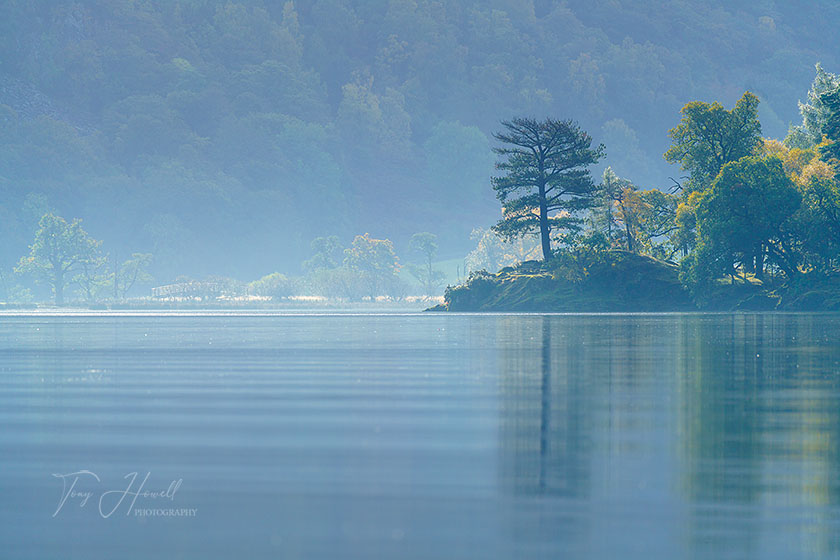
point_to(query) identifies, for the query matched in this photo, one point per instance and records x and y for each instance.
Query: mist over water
(222, 137)
(418, 436)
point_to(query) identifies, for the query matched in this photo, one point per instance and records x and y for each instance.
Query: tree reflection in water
(711, 433)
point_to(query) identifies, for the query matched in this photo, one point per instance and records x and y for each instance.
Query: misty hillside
(223, 136)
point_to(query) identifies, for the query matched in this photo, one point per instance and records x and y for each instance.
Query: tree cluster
(63, 256)
(750, 208)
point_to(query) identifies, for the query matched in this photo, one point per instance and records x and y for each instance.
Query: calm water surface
(420, 436)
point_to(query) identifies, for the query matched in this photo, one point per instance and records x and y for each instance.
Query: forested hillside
(223, 136)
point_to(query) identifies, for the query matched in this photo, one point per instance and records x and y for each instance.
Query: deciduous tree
(708, 137)
(742, 218)
(274, 285)
(59, 250)
(633, 218)
(375, 261)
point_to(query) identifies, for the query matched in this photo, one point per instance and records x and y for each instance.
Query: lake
(407, 435)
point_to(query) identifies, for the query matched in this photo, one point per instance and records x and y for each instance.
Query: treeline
(69, 262)
(193, 129)
(749, 210)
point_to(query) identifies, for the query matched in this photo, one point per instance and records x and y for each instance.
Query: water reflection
(581, 440)
(446, 436)
(710, 434)
(543, 447)
(759, 433)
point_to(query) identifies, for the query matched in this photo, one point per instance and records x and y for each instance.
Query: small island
(623, 282)
(754, 225)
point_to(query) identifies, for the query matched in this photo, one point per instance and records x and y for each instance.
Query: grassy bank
(620, 281)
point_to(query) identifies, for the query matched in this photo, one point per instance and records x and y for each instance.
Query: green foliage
(798, 138)
(778, 213)
(367, 269)
(375, 262)
(639, 221)
(581, 251)
(59, 251)
(545, 179)
(817, 224)
(756, 210)
(708, 137)
(683, 238)
(744, 218)
(274, 285)
(655, 218)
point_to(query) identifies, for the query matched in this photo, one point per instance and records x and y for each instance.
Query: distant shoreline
(44, 309)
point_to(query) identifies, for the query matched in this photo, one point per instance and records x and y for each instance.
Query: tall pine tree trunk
(544, 237)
